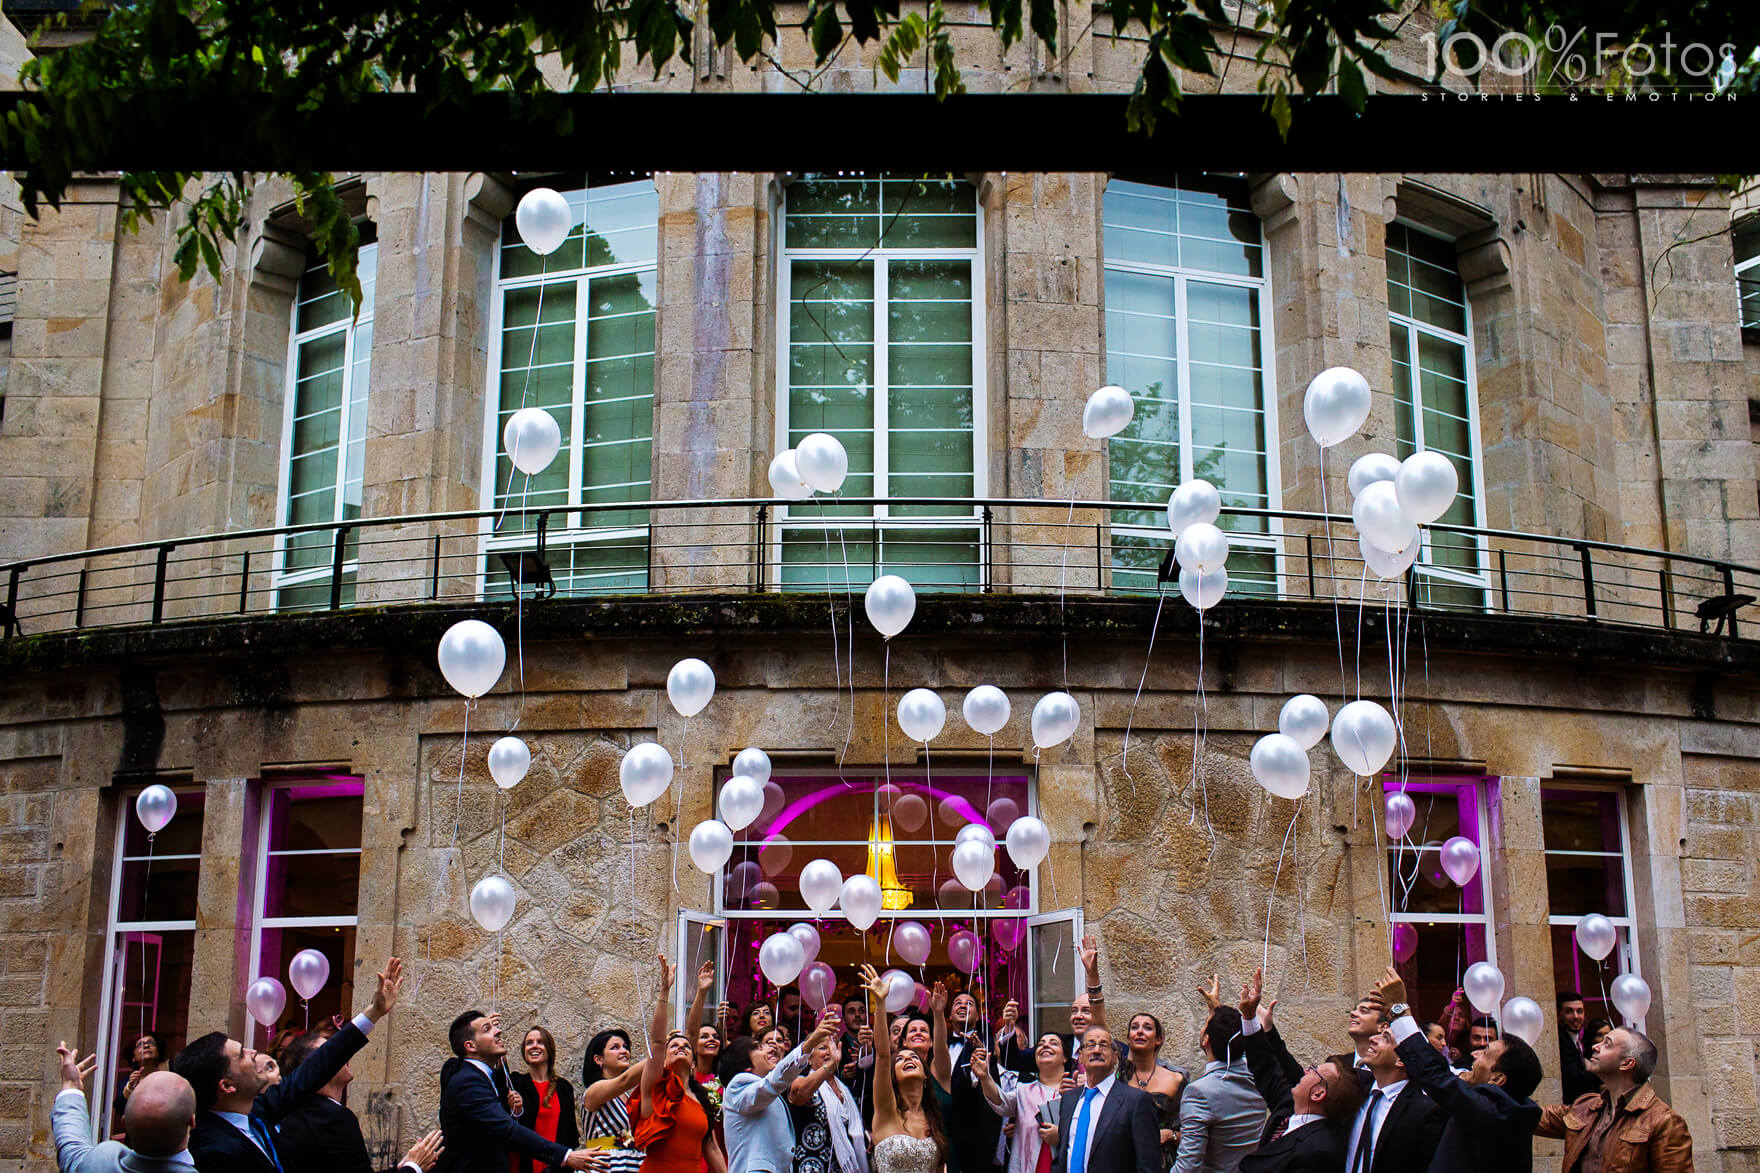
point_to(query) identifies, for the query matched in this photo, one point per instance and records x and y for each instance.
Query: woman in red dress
(670, 1120)
(546, 1099)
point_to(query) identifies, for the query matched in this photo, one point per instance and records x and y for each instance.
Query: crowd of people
(935, 1090)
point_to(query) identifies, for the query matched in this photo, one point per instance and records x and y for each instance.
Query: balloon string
(1161, 597)
(678, 805)
(1050, 869)
(1062, 581)
(463, 753)
(1380, 860)
(1362, 590)
(1265, 958)
(1332, 576)
(142, 950)
(831, 609)
(1201, 710)
(307, 1007)
(519, 615)
(849, 610)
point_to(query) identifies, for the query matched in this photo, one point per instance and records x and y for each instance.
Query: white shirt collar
(1301, 1119)
(1391, 1092)
(483, 1067)
(1104, 1086)
(182, 1157)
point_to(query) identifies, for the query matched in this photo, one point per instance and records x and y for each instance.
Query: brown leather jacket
(1647, 1137)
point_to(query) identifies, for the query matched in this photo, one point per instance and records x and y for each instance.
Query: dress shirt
(1590, 1159)
(1300, 1119)
(1382, 1108)
(242, 1122)
(1095, 1107)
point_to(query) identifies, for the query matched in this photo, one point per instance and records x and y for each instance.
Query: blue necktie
(1078, 1144)
(261, 1132)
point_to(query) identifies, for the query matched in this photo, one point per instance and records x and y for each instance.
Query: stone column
(1512, 856)
(224, 895)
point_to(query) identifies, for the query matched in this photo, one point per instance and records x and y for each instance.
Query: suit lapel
(1109, 1109)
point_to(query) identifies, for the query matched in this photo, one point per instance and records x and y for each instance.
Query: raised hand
(425, 1152)
(1090, 954)
(871, 982)
(938, 998)
(665, 971)
(1212, 993)
(1266, 1010)
(1251, 993)
(1390, 989)
(385, 994)
(515, 1102)
(981, 1063)
(827, 1027)
(706, 976)
(74, 1069)
(1011, 1013)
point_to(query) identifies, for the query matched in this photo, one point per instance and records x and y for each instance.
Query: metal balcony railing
(995, 545)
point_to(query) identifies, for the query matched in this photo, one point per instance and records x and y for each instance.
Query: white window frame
(109, 1010)
(1486, 919)
(283, 578)
(1424, 566)
(693, 924)
(1271, 541)
(1073, 917)
(1746, 225)
(259, 887)
(577, 529)
(880, 522)
(1627, 958)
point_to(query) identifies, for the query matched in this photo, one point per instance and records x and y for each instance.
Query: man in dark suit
(323, 1135)
(1106, 1126)
(1572, 1062)
(241, 1095)
(972, 1129)
(479, 1130)
(1325, 1096)
(1490, 1117)
(1405, 1126)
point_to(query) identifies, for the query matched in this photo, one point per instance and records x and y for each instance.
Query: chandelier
(882, 866)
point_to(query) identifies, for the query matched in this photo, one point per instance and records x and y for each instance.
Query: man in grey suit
(1221, 1113)
(157, 1120)
(1107, 1126)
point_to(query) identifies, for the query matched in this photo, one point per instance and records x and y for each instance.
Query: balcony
(1027, 551)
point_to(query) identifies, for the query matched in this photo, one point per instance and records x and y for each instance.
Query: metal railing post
(1311, 592)
(434, 581)
(1588, 579)
(1729, 588)
(989, 551)
(1667, 596)
(79, 603)
(648, 569)
(159, 581)
(12, 625)
(244, 583)
(760, 549)
(336, 561)
(1503, 575)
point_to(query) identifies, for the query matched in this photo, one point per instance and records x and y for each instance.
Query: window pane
(831, 363)
(1585, 864)
(813, 558)
(161, 889)
(317, 817)
(1055, 965)
(1416, 881)
(150, 987)
(537, 370)
(935, 560)
(337, 996)
(1572, 969)
(929, 374)
(1440, 954)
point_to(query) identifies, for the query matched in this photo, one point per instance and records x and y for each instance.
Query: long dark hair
(591, 1070)
(690, 1079)
(549, 1042)
(931, 1112)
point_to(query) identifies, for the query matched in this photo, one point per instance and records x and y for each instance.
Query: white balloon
(1426, 486)
(531, 439)
(1304, 717)
(986, 709)
(644, 773)
(785, 478)
(973, 864)
(912, 941)
(155, 807)
(307, 972)
(1631, 994)
(1596, 936)
(1107, 413)
(821, 884)
(265, 999)
(901, 990)
(1363, 737)
(1385, 564)
(860, 901)
(472, 656)
(822, 462)
(1380, 520)
(1335, 405)
(1203, 591)
(1055, 718)
(808, 937)
(976, 833)
(921, 715)
(741, 802)
(1400, 813)
(1523, 1018)
(1460, 859)
(689, 686)
(781, 958)
(1029, 839)
(1281, 765)
(890, 603)
(1375, 466)
(711, 845)
(492, 903)
(1483, 983)
(1201, 547)
(544, 220)
(1194, 502)
(753, 763)
(509, 760)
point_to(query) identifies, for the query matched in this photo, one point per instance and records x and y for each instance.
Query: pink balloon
(912, 940)
(742, 879)
(910, 813)
(1008, 931)
(1405, 942)
(818, 982)
(1019, 897)
(922, 996)
(774, 800)
(1460, 859)
(949, 817)
(1000, 814)
(964, 950)
(775, 855)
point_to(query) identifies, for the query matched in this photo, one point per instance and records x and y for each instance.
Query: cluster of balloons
(1200, 548)
(266, 998)
(1597, 936)
(817, 464)
(1363, 737)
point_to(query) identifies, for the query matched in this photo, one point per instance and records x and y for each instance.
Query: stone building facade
(1608, 392)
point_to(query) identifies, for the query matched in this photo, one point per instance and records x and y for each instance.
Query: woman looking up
(907, 1128)
(672, 1119)
(1143, 1071)
(607, 1076)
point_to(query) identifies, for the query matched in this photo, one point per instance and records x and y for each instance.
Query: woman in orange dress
(671, 1111)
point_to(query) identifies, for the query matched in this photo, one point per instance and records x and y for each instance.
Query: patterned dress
(612, 1119)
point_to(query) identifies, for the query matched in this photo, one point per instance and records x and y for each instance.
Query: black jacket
(479, 1131)
(973, 1129)
(1410, 1132)
(322, 1136)
(1317, 1147)
(1486, 1131)
(217, 1147)
(1126, 1137)
(1573, 1068)
(1275, 1073)
(568, 1132)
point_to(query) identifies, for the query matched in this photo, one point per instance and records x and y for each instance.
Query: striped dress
(612, 1119)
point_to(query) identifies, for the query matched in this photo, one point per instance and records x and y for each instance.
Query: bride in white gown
(907, 1132)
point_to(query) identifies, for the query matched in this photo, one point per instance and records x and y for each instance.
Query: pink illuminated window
(1588, 870)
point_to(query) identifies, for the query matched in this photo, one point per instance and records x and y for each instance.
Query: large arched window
(1187, 336)
(573, 333)
(882, 307)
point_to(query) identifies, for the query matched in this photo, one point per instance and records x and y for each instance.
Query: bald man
(157, 1119)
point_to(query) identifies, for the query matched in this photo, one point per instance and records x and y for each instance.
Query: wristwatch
(1399, 1009)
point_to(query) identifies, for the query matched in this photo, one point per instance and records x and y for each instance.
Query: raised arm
(693, 1018)
(303, 1084)
(1424, 1066)
(655, 1063)
(886, 1118)
(602, 1091)
(1091, 970)
(940, 1061)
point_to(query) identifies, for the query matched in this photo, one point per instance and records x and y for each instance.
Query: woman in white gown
(907, 1128)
